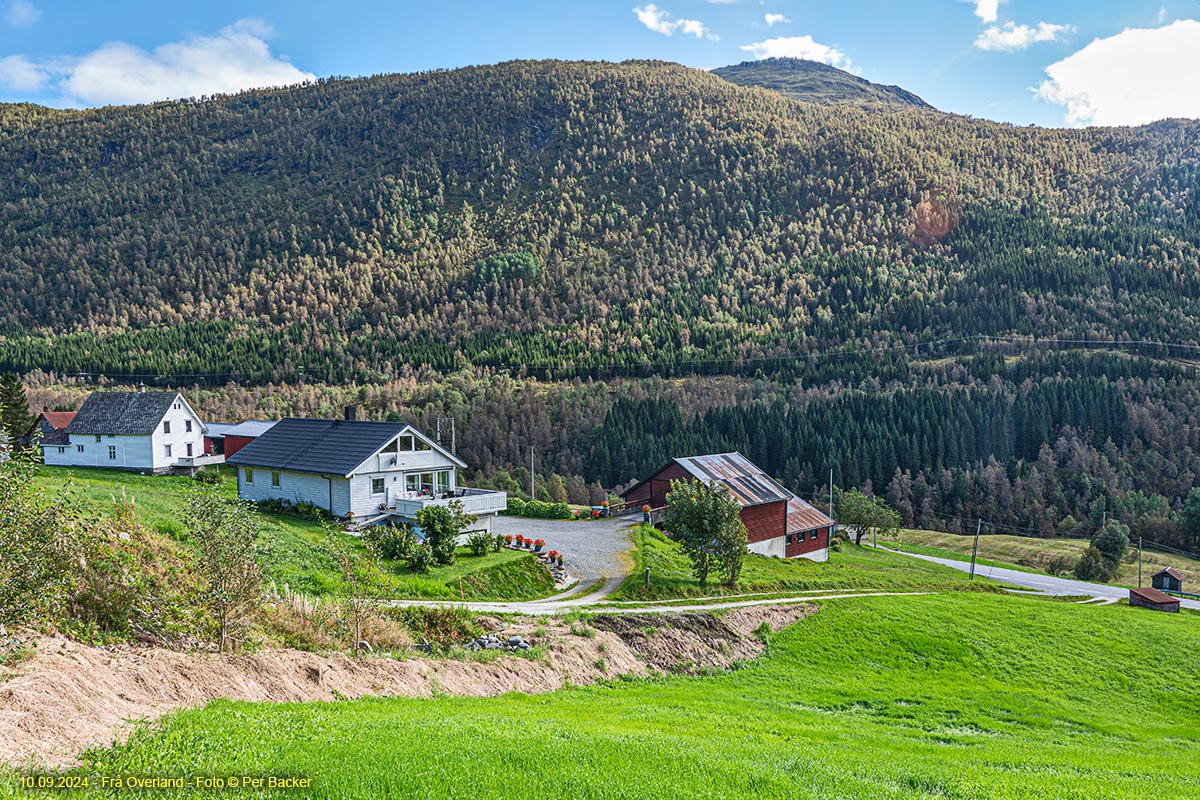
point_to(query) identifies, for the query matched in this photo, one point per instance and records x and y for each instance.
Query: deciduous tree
(706, 520)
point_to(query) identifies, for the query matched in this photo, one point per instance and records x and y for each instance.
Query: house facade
(50, 427)
(777, 522)
(140, 431)
(370, 472)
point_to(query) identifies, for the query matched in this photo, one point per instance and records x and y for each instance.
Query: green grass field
(297, 557)
(959, 695)
(852, 569)
(1032, 555)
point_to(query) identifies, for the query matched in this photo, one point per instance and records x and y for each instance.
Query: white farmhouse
(142, 431)
(366, 471)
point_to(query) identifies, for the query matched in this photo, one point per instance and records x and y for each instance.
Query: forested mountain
(570, 215)
(814, 82)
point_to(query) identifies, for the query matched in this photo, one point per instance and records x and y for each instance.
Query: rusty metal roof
(749, 484)
(803, 517)
(1153, 595)
(1174, 573)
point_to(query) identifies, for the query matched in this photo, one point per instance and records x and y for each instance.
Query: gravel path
(596, 550)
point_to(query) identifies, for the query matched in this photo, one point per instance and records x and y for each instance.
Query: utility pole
(975, 551)
(831, 494)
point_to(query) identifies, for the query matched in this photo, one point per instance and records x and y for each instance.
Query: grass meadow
(962, 695)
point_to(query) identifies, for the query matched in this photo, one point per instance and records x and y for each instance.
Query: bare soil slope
(71, 696)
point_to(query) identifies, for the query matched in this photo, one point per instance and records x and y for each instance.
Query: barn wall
(765, 521)
(806, 545)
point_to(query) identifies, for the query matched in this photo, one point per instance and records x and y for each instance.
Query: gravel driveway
(596, 550)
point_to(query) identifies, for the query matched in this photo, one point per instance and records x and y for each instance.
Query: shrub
(394, 543)
(1060, 565)
(442, 625)
(498, 542)
(208, 477)
(1091, 566)
(420, 557)
(478, 542)
(516, 506)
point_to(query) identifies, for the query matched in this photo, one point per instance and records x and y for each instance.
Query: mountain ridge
(815, 82)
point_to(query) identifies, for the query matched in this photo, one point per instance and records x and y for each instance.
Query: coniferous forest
(619, 263)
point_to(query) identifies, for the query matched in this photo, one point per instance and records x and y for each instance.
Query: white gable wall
(143, 452)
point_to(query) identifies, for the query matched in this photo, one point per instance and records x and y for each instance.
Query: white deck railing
(474, 501)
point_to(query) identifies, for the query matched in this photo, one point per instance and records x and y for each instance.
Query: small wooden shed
(1153, 599)
(1168, 580)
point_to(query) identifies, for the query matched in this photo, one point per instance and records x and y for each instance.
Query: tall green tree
(706, 520)
(1113, 544)
(865, 515)
(15, 417)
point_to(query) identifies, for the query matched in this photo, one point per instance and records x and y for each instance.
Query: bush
(1060, 566)
(478, 542)
(210, 478)
(498, 542)
(1091, 566)
(444, 625)
(420, 557)
(538, 509)
(392, 542)
(1112, 542)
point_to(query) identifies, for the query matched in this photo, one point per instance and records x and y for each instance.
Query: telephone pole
(975, 551)
(1139, 562)
(831, 494)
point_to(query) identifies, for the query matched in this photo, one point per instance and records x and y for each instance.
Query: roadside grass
(959, 695)
(852, 569)
(297, 556)
(1032, 555)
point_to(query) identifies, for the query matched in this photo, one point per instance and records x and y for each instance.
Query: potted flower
(553, 555)
(508, 539)
(560, 559)
(538, 544)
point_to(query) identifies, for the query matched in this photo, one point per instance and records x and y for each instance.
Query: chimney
(352, 413)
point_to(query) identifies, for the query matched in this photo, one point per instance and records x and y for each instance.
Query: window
(275, 478)
(391, 446)
(167, 427)
(376, 485)
(187, 426)
(249, 475)
(97, 438)
(189, 449)
(406, 443)
(168, 449)
(813, 536)
(112, 453)
(443, 481)
(177, 406)
(62, 450)
(79, 448)
(412, 482)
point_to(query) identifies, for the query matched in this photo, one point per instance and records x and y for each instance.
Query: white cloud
(21, 13)
(799, 47)
(987, 10)
(1137, 76)
(660, 21)
(1161, 16)
(1011, 36)
(21, 74)
(772, 19)
(237, 57)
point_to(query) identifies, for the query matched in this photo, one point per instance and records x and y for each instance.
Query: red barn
(777, 522)
(226, 439)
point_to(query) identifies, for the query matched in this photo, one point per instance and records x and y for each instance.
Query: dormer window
(391, 446)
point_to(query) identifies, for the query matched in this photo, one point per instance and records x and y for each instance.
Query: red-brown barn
(777, 522)
(226, 439)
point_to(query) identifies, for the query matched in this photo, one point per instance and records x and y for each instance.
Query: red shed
(1154, 599)
(777, 522)
(226, 439)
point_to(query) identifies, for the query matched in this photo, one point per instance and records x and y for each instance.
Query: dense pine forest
(619, 263)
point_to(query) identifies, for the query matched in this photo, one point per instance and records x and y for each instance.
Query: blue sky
(1048, 62)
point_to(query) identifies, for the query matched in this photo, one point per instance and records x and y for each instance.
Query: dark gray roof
(122, 412)
(323, 446)
(749, 484)
(251, 428)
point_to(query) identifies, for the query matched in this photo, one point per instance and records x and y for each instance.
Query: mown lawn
(1032, 555)
(852, 569)
(961, 695)
(297, 557)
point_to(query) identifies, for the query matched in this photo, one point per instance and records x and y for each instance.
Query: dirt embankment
(70, 696)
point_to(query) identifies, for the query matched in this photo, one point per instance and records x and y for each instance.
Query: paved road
(597, 551)
(1042, 583)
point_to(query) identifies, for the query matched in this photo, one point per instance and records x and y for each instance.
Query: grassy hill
(297, 556)
(814, 82)
(955, 696)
